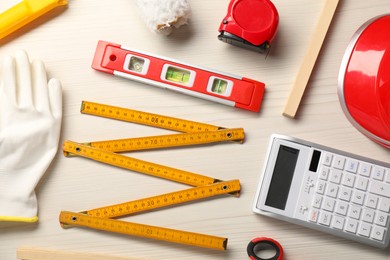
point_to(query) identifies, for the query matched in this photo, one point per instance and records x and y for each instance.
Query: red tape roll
(261, 243)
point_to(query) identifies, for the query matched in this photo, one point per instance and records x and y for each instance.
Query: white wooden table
(66, 43)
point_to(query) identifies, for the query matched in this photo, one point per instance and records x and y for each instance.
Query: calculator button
(387, 177)
(324, 172)
(372, 201)
(381, 219)
(354, 212)
(364, 229)
(380, 188)
(365, 169)
(352, 165)
(345, 194)
(325, 218)
(335, 176)
(384, 205)
(328, 204)
(348, 180)
(313, 216)
(378, 173)
(358, 197)
(332, 190)
(378, 233)
(327, 159)
(341, 208)
(361, 183)
(338, 222)
(351, 226)
(368, 215)
(317, 201)
(339, 162)
(321, 187)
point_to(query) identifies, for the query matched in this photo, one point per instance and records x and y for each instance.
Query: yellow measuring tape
(107, 152)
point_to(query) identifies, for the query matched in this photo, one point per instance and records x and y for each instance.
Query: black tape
(255, 245)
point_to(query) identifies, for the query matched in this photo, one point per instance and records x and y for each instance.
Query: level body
(166, 73)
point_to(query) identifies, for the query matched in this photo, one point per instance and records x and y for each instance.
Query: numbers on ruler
(172, 140)
(131, 228)
(168, 199)
(204, 186)
(130, 163)
(155, 120)
(144, 117)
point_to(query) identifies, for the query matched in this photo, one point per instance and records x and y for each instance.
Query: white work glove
(30, 123)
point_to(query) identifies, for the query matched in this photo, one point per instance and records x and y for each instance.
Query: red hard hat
(364, 80)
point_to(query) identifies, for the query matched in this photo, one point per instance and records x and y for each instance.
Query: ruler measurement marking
(142, 230)
(138, 165)
(145, 118)
(167, 199)
(106, 152)
(172, 140)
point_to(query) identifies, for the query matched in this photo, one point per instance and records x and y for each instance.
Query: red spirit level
(250, 24)
(166, 73)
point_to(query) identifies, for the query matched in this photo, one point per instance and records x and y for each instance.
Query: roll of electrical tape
(264, 243)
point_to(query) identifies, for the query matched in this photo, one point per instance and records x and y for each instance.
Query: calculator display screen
(282, 177)
(315, 159)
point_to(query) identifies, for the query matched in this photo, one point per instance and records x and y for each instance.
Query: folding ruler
(108, 152)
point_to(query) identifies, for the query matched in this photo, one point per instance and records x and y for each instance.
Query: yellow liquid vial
(178, 75)
(219, 86)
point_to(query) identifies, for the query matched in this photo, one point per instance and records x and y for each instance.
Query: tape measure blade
(142, 230)
(166, 200)
(137, 165)
(144, 118)
(167, 141)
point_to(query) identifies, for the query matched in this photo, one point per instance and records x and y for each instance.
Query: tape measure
(107, 152)
(251, 24)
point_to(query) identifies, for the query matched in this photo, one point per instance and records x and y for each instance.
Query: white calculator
(326, 189)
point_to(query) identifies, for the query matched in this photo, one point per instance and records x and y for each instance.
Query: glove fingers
(9, 80)
(24, 90)
(41, 92)
(55, 97)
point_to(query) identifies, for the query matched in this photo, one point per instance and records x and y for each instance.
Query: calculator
(326, 189)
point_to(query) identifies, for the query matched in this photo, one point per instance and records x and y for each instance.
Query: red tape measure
(251, 24)
(264, 243)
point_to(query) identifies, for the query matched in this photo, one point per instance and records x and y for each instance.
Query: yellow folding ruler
(108, 152)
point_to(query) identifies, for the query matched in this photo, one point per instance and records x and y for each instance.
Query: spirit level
(105, 152)
(162, 72)
(25, 12)
(251, 24)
